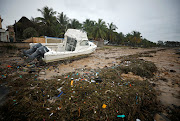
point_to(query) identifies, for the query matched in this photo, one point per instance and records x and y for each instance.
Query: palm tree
(128, 38)
(63, 22)
(136, 37)
(75, 24)
(47, 21)
(99, 30)
(48, 16)
(34, 20)
(88, 27)
(119, 38)
(88, 24)
(57, 31)
(111, 29)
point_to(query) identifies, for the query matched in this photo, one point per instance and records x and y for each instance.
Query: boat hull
(55, 56)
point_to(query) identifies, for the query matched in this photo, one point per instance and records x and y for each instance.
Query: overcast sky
(155, 19)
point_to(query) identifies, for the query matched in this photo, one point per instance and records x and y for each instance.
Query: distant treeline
(168, 44)
(54, 25)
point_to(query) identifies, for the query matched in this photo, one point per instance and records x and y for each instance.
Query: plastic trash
(60, 94)
(120, 116)
(9, 66)
(58, 108)
(104, 106)
(51, 114)
(59, 89)
(71, 83)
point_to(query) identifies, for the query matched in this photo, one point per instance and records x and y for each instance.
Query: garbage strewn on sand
(83, 94)
(100, 94)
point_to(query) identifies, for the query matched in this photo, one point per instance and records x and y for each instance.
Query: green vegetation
(51, 25)
(168, 44)
(30, 32)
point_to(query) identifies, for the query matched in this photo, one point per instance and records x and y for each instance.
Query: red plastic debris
(9, 66)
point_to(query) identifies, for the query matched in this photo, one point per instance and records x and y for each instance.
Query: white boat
(75, 43)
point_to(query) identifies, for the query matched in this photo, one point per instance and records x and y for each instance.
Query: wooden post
(15, 29)
(1, 22)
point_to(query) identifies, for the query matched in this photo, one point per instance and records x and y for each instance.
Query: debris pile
(138, 67)
(120, 92)
(81, 95)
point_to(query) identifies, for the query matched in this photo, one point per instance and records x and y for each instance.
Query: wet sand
(168, 76)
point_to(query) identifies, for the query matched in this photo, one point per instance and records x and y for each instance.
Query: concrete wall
(35, 40)
(38, 40)
(4, 36)
(18, 45)
(100, 43)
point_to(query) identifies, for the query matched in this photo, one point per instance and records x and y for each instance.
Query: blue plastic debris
(3, 76)
(136, 99)
(60, 94)
(120, 116)
(42, 92)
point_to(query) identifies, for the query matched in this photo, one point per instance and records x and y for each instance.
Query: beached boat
(75, 43)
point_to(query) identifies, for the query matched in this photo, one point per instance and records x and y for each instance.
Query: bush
(30, 32)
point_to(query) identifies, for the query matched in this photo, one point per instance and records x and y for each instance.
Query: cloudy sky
(155, 19)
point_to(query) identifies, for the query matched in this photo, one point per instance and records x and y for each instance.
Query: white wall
(5, 36)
